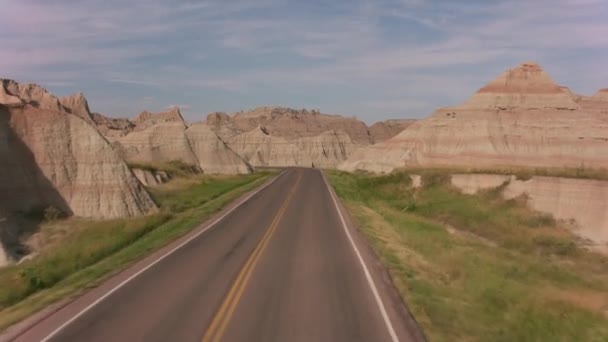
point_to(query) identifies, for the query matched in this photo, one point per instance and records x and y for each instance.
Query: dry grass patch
(77, 253)
(532, 283)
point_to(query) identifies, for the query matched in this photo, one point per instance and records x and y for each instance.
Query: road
(284, 265)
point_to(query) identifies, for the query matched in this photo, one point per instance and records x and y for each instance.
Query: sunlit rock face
(51, 155)
(384, 130)
(276, 136)
(165, 137)
(522, 118)
(584, 201)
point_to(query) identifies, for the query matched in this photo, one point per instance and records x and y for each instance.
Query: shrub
(51, 213)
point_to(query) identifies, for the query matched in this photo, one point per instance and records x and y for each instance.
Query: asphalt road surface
(283, 265)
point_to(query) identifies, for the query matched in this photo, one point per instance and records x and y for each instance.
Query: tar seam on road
(117, 287)
(224, 314)
(368, 276)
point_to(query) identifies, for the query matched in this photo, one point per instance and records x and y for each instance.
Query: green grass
(175, 168)
(78, 253)
(522, 173)
(477, 267)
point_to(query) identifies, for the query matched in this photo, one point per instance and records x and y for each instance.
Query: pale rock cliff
(527, 86)
(77, 104)
(49, 157)
(213, 155)
(276, 136)
(583, 200)
(520, 119)
(383, 130)
(158, 143)
(262, 149)
(165, 137)
(151, 178)
(147, 119)
(597, 103)
(112, 128)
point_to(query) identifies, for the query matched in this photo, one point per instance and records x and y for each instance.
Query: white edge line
(117, 287)
(368, 276)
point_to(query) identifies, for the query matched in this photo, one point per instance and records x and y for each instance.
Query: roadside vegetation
(75, 254)
(478, 267)
(523, 173)
(175, 168)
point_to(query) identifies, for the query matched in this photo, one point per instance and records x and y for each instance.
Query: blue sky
(371, 59)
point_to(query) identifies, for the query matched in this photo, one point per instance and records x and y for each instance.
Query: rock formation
(77, 104)
(165, 137)
(383, 130)
(522, 118)
(582, 200)
(265, 136)
(288, 123)
(51, 156)
(598, 103)
(147, 119)
(276, 136)
(112, 128)
(212, 153)
(150, 177)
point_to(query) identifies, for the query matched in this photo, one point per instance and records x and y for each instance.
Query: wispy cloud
(368, 56)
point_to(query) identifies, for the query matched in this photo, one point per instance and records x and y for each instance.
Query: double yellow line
(224, 314)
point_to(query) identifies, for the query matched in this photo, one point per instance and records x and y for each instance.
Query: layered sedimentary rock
(165, 137)
(527, 86)
(77, 104)
(597, 103)
(262, 149)
(383, 130)
(151, 178)
(212, 153)
(275, 136)
(582, 200)
(147, 119)
(520, 119)
(159, 143)
(50, 156)
(288, 123)
(112, 128)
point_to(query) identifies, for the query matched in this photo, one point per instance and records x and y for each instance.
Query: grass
(79, 253)
(523, 173)
(175, 168)
(477, 267)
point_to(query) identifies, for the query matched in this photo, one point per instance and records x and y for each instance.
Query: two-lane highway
(282, 266)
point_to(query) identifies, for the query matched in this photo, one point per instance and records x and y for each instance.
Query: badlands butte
(55, 152)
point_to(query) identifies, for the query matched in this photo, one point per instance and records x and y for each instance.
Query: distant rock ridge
(54, 157)
(601, 94)
(112, 128)
(526, 86)
(13, 93)
(264, 136)
(520, 119)
(147, 119)
(291, 123)
(152, 138)
(383, 130)
(279, 136)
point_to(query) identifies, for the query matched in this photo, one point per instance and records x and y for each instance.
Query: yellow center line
(224, 314)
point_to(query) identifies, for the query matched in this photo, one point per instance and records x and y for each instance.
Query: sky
(370, 59)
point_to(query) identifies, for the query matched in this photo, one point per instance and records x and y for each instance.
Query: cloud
(242, 51)
(137, 82)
